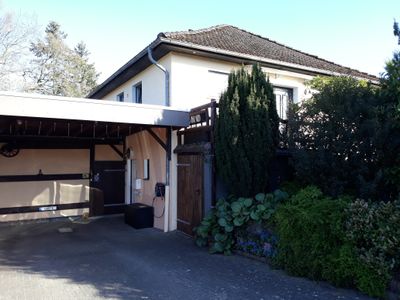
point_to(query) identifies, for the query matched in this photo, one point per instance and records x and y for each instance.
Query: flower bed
(257, 241)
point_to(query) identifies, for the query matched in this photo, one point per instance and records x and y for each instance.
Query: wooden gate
(190, 192)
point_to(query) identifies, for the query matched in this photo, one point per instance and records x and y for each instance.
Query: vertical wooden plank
(190, 192)
(198, 190)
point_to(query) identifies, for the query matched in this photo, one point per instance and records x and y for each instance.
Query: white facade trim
(54, 107)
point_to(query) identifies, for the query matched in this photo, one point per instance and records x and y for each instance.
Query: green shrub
(390, 121)
(291, 187)
(310, 230)
(370, 282)
(335, 134)
(217, 230)
(344, 268)
(350, 244)
(374, 228)
(341, 266)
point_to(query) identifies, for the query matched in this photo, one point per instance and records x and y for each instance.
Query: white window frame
(134, 92)
(121, 97)
(283, 107)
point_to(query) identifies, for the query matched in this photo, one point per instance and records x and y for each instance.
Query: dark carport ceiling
(24, 129)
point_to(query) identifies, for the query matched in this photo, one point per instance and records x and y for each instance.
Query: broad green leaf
(219, 237)
(248, 202)
(254, 216)
(260, 197)
(236, 207)
(222, 222)
(228, 228)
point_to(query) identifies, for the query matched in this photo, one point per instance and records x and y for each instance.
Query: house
(124, 148)
(198, 63)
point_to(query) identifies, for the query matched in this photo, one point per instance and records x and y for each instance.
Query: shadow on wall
(14, 194)
(61, 193)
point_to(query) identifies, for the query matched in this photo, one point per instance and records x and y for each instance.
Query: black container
(139, 215)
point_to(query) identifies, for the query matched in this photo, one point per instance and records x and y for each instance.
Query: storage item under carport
(96, 205)
(139, 215)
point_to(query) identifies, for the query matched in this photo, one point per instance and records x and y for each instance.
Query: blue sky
(353, 33)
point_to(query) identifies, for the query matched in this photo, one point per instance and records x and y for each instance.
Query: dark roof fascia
(122, 74)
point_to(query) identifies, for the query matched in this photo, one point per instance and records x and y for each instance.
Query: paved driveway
(107, 259)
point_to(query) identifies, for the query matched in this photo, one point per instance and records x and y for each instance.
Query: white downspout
(166, 73)
(167, 158)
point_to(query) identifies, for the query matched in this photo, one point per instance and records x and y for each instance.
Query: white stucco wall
(196, 80)
(291, 80)
(153, 88)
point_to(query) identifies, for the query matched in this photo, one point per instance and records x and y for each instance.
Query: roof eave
(164, 40)
(259, 59)
(131, 62)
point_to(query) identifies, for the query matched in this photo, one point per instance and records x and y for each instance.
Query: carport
(57, 153)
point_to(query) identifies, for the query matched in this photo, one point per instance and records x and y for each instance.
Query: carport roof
(92, 110)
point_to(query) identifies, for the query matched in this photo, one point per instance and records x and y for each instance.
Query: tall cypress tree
(246, 132)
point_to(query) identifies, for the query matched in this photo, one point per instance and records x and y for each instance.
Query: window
(137, 93)
(120, 97)
(146, 169)
(283, 97)
(217, 82)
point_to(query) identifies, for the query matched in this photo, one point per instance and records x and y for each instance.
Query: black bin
(139, 215)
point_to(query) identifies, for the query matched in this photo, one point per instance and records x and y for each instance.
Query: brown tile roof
(236, 40)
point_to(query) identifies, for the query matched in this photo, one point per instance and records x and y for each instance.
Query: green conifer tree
(58, 70)
(246, 132)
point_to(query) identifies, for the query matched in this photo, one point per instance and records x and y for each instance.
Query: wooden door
(109, 177)
(190, 192)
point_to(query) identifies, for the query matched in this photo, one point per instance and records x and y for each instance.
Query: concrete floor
(107, 259)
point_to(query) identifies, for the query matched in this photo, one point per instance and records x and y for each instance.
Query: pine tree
(396, 31)
(59, 70)
(246, 132)
(83, 73)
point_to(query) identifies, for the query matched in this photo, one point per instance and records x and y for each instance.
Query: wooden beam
(157, 138)
(117, 150)
(43, 177)
(5, 138)
(42, 208)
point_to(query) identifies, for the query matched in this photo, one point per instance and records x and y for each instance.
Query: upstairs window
(137, 93)
(120, 97)
(283, 97)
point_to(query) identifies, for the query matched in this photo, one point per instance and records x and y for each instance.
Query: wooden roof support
(157, 138)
